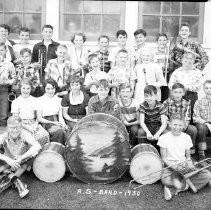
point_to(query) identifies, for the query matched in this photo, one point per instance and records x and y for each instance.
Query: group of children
(153, 92)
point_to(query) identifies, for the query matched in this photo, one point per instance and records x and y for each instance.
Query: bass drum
(97, 150)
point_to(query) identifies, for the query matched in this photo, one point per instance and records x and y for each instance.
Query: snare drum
(146, 165)
(97, 150)
(49, 164)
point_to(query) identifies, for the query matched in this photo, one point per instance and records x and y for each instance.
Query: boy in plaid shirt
(184, 44)
(202, 118)
(175, 104)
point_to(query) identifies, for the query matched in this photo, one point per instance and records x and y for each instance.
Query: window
(166, 17)
(91, 17)
(18, 13)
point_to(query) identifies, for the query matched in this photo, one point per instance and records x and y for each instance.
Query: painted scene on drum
(97, 153)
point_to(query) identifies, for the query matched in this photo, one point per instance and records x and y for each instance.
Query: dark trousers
(133, 131)
(57, 133)
(4, 104)
(193, 97)
(153, 128)
(202, 132)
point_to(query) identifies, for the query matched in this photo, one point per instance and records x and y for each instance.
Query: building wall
(131, 23)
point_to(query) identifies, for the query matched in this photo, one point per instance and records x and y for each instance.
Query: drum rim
(99, 113)
(123, 132)
(59, 155)
(138, 145)
(52, 142)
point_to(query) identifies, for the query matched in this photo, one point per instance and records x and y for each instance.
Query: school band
(154, 92)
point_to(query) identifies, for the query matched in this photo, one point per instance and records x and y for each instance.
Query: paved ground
(70, 193)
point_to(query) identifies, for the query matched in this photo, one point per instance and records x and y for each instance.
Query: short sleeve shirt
(49, 106)
(75, 109)
(175, 145)
(129, 113)
(152, 115)
(25, 107)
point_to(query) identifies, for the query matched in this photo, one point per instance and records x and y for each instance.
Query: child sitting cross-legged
(175, 153)
(129, 112)
(18, 146)
(152, 117)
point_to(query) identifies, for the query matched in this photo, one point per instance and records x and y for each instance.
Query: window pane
(111, 24)
(33, 21)
(33, 6)
(190, 8)
(151, 25)
(171, 7)
(152, 7)
(1, 5)
(1, 18)
(73, 6)
(92, 25)
(14, 5)
(14, 21)
(111, 7)
(170, 26)
(93, 7)
(194, 22)
(72, 24)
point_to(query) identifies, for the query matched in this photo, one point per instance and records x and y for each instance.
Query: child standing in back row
(148, 73)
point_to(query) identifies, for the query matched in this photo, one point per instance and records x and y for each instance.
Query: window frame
(22, 13)
(199, 38)
(89, 38)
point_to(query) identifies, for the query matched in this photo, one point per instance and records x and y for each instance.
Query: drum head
(49, 166)
(146, 168)
(97, 152)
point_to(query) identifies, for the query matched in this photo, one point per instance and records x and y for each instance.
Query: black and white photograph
(105, 104)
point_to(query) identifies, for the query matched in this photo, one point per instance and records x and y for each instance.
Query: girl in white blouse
(25, 107)
(49, 113)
